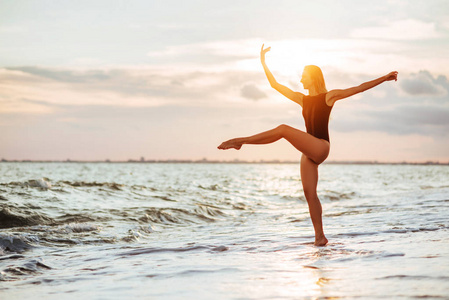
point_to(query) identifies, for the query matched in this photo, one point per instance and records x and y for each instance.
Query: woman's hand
(262, 53)
(392, 76)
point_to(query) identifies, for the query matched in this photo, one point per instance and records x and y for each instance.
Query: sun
(288, 58)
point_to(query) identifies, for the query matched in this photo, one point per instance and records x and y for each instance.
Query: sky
(172, 79)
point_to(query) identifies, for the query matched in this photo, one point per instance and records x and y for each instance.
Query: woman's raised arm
(294, 96)
(336, 95)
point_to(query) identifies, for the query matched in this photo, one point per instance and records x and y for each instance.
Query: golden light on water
(296, 280)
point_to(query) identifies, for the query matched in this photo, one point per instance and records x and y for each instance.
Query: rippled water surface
(222, 231)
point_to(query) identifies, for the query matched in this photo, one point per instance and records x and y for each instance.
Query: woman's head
(312, 78)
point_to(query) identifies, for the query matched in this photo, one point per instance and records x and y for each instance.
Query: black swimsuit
(316, 115)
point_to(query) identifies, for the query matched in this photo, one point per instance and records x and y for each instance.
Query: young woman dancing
(313, 144)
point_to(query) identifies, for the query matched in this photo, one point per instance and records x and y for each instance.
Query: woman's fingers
(393, 76)
(262, 50)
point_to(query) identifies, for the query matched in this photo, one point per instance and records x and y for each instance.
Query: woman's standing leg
(309, 178)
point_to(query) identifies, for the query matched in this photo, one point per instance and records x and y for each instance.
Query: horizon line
(234, 161)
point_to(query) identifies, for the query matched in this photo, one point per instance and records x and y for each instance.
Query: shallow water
(226, 231)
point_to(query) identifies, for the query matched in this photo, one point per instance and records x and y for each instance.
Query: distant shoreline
(205, 161)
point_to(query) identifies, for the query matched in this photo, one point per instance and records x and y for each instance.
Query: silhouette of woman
(313, 144)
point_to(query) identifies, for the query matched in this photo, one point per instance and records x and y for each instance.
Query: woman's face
(306, 80)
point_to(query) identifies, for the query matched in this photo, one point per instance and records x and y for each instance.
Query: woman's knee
(310, 194)
(282, 128)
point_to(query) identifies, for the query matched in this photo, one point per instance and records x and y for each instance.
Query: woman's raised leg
(309, 179)
(315, 149)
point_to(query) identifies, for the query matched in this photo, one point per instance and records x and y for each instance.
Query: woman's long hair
(317, 78)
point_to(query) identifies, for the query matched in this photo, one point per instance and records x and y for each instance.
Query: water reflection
(292, 274)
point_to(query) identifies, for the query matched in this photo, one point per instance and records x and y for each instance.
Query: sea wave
(17, 243)
(201, 213)
(30, 267)
(150, 250)
(42, 183)
(12, 217)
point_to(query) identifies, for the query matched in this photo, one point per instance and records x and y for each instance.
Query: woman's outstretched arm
(294, 96)
(336, 95)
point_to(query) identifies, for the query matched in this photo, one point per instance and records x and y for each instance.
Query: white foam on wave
(43, 183)
(77, 228)
(40, 183)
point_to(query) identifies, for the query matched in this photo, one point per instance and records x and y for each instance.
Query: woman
(314, 144)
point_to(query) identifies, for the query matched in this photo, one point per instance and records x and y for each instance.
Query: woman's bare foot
(320, 241)
(234, 143)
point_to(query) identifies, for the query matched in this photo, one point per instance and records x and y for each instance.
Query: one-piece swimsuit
(316, 115)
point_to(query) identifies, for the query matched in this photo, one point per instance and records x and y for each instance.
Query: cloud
(65, 75)
(39, 90)
(407, 29)
(251, 91)
(126, 86)
(423, 83)
(401, 120)
(419, 105)
(423, 120)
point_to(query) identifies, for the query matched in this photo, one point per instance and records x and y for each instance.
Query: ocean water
(221, 231)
